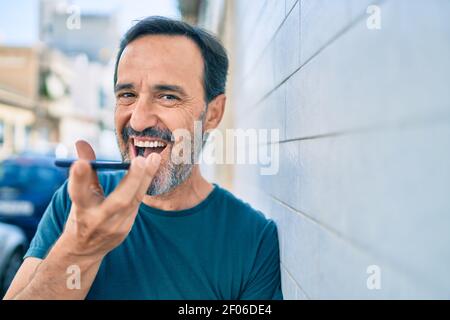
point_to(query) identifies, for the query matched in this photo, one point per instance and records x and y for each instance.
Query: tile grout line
(412, 123)
(395, 266)
(272, 38)
(302, 65)
(295, 282)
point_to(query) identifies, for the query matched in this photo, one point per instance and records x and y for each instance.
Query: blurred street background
(358, 90)
(56, 67)
(56, 87)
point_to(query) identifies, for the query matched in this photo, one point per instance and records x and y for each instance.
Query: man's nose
(143, 115)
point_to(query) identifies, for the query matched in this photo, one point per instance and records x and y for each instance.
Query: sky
(18, 22)
(19, 18)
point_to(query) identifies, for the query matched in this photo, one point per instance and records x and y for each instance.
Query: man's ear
(216, 108)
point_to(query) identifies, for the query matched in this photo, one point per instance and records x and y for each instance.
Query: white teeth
(149, 144)
(139, 143)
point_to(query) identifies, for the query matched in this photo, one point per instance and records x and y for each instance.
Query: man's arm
(265, 277)
(94, 227)
(23, 276)
(48, 278)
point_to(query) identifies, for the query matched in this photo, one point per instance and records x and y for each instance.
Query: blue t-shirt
(219, 249)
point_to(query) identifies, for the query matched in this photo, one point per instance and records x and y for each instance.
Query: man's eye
(126, 95)
(168, 100)
(169, 97)
(125, 98)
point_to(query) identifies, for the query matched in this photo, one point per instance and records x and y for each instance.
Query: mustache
(153, 132)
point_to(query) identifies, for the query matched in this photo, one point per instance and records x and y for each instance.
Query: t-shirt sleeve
(51, 225)
(265, 279)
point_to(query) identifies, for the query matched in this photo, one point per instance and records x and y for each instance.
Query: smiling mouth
(145, 146)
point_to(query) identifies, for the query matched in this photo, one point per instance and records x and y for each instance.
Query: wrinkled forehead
(162, 59)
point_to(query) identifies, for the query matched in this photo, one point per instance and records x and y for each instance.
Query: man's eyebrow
(169, 87)
(121, 86)
(157, 87)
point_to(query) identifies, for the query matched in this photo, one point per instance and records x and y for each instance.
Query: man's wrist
(66, 250)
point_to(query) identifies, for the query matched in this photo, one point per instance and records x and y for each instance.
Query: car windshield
(20, 175)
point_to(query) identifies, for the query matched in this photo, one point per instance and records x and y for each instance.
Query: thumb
(84, 187)
(82, 191)
(85, 151)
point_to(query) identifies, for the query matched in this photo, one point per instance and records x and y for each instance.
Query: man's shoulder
(243, 213)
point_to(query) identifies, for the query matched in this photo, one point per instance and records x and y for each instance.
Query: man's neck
(186, 195)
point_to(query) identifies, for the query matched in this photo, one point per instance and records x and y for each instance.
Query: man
(161, 231)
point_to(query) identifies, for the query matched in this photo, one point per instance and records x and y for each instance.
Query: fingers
(131, 190)
(84, 187)
(152, 163)
(85, 151)
(81, 190)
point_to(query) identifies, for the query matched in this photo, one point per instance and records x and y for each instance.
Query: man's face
(159, 89)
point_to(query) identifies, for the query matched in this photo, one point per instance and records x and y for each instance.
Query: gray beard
(170, 175)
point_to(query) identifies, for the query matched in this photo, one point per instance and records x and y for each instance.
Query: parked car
(27, 184)
(13, 244)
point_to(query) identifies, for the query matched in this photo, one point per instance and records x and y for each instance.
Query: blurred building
(191, 10)
(66, 27)
(77, 72)
(61, 89)
(19, 80)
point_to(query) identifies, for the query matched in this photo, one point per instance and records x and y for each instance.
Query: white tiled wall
(364, 119)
